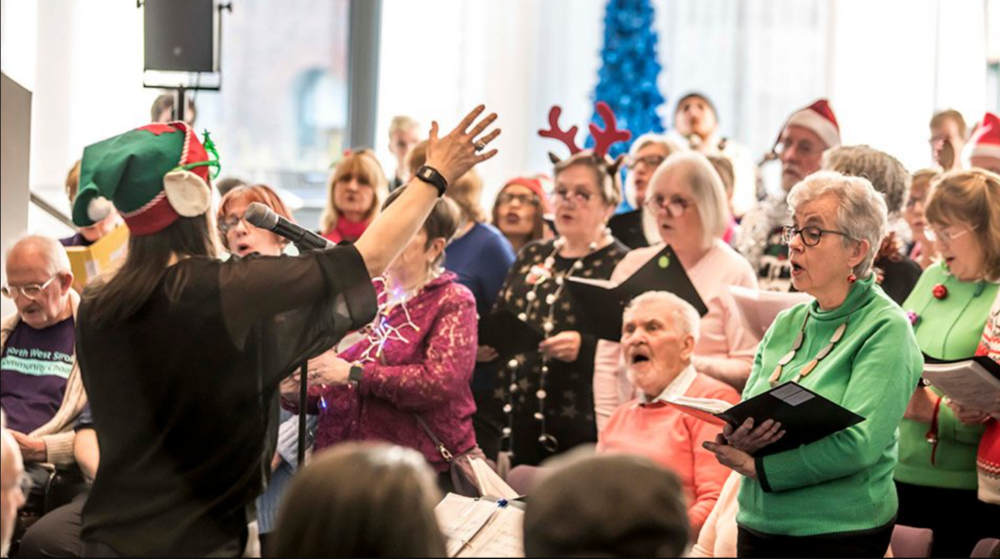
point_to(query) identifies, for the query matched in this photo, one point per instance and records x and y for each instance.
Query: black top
(898, 277)
(570, 386)
(627, 228)
(184, 395)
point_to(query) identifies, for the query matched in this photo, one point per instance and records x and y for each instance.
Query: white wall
(15, 133)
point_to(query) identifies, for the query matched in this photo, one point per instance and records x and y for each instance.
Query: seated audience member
(41, 390)
(412, 371)
(607, 506)
(687, 198)
(983, 151)
(896, 273)
(696, 126)
(948, 137)
(548, 395)
(660, 334)
(835, 496)
(519, 212)
(357, 188)
(805, 136)
(920, 249)
(58, 533)
(361, 501)
(636, 228)
(12, 486)
(162, 110)
(404, 135)
(724, 167)
(936, 478)
(87, 236)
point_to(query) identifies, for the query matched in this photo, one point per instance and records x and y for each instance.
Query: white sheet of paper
(490, 484)
(968, 384)
(480, 528)
(759, 309)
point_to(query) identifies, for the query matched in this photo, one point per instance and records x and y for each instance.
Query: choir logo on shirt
(37, 363)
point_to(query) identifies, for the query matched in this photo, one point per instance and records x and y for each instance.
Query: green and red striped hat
(153, 176)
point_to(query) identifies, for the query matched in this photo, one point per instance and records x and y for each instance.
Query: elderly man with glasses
(41, 390)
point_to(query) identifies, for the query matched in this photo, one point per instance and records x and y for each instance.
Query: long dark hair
(116, 298)
(361, 500)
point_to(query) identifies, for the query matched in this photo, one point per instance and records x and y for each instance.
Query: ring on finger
(480, 145)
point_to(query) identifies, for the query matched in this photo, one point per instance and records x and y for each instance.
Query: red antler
(611, 135)
(567, 137)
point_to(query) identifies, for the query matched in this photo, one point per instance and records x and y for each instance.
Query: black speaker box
(180, 35)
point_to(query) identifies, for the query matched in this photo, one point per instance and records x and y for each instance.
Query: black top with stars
(569, 407)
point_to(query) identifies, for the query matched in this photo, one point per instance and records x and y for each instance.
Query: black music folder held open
(601, 304)
(805, 416)
(509, 335)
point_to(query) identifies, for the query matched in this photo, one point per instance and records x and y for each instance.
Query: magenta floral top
(429, 374)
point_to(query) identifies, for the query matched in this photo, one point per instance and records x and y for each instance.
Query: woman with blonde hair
(357, 189)
(936, 477)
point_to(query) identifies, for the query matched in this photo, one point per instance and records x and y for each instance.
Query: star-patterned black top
(569, 404)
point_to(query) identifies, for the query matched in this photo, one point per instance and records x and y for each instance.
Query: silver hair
(55, 253)
(885, 172)
(685, 318)
(707, 188)
(862, 213)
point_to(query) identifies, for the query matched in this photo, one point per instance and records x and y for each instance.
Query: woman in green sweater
(854, 346)
(936, 477)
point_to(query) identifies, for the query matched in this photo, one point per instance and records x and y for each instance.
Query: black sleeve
(317, 295)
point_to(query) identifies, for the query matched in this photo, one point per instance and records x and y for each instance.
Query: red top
(346, 230)
(674, 439)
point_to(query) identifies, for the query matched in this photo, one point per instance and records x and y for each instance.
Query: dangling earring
(852, 279)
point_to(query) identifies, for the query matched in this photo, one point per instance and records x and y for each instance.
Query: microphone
(263, 217)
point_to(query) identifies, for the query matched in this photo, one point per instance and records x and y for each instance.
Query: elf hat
(819, 118)
(986, 140)
(153, 176)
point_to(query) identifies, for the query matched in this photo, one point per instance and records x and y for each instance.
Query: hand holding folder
(805, 416)
(601, 304)
(972, 383)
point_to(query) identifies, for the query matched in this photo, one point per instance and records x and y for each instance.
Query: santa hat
(153, 176)
(985, 141)
(819, 118)
(535, 185)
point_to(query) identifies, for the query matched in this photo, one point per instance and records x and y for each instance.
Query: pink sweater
(674, 439)
(725, 349)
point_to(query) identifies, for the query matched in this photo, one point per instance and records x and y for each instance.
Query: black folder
(601, 304)
(509, 335)
(805, 416)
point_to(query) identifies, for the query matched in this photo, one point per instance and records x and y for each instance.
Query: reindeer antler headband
(603, 138)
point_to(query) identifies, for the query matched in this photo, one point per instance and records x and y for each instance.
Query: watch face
(427, 173)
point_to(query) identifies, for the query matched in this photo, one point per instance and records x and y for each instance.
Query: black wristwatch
(357, 373)
(431, 176)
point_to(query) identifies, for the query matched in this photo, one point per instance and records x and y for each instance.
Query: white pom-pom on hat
(189, 194)
(99, 209)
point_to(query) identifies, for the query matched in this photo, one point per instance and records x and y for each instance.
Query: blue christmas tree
(630, 70)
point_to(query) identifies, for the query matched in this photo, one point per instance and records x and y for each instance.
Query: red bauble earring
(852, 279)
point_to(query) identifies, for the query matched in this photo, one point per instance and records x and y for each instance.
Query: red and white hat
(985, 141)
(819, 118)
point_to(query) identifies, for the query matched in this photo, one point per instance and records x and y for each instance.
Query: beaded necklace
(548, 442)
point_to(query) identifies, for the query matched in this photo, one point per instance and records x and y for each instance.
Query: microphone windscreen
(261, 216)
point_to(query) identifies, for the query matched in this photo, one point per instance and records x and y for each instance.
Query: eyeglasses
(507, 199)
(651, 161)
(30, 292)
(232, 222)
(675, 207)
(811, 236)
(582, 198)
(935, 235)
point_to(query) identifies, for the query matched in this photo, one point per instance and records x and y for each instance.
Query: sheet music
(480, 528)
(966, 383)
(490, 484)
(503, 537)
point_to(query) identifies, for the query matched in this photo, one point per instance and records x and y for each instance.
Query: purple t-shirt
(34, 370)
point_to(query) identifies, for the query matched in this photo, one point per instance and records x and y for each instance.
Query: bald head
(35, 262)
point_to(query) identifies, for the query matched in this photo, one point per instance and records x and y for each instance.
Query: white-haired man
(660, 334)
(11, 483)
(806, 135)
(41, 390)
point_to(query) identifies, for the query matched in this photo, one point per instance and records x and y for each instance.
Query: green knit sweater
(950, 328)
(842, 483)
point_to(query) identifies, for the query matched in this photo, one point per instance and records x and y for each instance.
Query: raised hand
(457, 153)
